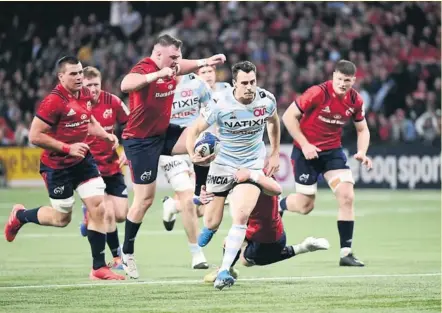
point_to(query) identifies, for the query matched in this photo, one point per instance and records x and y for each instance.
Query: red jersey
(265, 224)
(151, 106)
(107, 111)
(69, 118)
(324, 114)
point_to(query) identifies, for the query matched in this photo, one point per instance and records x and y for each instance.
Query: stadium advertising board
(402, 166)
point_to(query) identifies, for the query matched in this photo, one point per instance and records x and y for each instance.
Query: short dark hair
(68, 59)
(167, 40)
(346, 67)
(245, 66)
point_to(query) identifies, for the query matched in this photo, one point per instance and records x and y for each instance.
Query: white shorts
(174, 167)
(221, 178)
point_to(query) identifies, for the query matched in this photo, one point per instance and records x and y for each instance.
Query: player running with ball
(241, 114)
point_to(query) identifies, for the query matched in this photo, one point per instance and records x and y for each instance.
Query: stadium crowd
(396, 46)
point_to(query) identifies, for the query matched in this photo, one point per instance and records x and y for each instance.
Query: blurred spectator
(395, 45)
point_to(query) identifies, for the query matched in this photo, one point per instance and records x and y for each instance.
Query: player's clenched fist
(310, 151)
(166, 72)
(216, 59)
(78, 149)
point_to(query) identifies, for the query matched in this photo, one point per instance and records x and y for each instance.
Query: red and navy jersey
(325, 114)
(151, 106)
(265, 224)
(69, 118)
(108, 111)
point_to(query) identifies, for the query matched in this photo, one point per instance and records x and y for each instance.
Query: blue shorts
(143, 155)
(306, 172)
(61, 183)
(263, 253)
(115, 185)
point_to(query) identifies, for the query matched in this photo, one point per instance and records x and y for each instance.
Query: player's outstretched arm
(186, 66)
(38, 137)
(95, 129)
(268, 184)
(274, 132)
(135, 81)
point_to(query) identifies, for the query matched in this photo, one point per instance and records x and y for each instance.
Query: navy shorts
(61, 183)
(264, 253)
(143, 155)
(201, 173)
(115, 185)
(307, 171)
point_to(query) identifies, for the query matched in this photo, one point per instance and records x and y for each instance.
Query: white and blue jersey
(191, 94)
(241, 127)
(220, 86)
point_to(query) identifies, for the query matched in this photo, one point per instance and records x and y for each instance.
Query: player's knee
(346, 198)
(120, 215)
(212, 222)
(307, 207)
(97, 210)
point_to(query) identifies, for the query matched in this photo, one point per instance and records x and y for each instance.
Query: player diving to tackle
(265, 241)
(315, 121)
(191, 94)
(108, 109)
(241, 114)
(62, 122)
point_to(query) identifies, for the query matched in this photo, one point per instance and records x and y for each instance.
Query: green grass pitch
(397, 235)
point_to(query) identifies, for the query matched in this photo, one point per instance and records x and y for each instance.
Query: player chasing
(241, 115)
(108, 109)
(60, 127)
(171, 207)
(265, 241)
(151, 86)
(315, 122)
(191, 94)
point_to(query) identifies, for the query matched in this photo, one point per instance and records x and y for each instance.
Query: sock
(113, 242)
(131, 231)
(98, 245)
(236, 257)
(172, 204)
(28, 216)
(346, 233)
(283, 204)
(234, 241)
(194, 248)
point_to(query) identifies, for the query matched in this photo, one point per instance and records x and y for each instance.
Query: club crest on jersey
(170, 86)
(83, 116)
(107, 113)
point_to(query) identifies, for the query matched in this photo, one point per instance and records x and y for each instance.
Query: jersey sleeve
(310, 98)
(205, 94)
(273, 105)
(359, 114)
(143, 68)
(49, 110)
(210, 112)
(121, 109)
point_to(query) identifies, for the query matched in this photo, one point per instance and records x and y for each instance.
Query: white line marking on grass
(194, 281)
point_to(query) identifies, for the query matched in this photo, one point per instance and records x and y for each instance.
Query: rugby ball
(207, 144)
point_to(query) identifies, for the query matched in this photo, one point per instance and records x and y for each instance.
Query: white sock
(170, 203)
(344, 252)
(299, 249)
(234, 241)
(194, 248)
